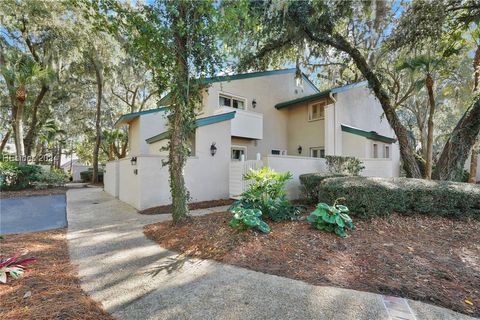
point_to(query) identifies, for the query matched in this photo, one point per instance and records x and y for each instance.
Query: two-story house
(248, 120)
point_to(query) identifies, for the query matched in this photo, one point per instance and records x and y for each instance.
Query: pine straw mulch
(51, 280)
(431, 259)
(191, 206)
(32, 192)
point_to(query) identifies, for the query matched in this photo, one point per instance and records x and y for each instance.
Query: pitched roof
(126, 118)
(240, 76)
(319, 95)
(372, 135)
(198, 123)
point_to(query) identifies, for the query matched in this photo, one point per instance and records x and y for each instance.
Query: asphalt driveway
(28, 214)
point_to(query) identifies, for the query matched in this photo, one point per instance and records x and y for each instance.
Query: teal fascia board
(372, 135)
(312, 97)
(124, 119)
(198, 123)
(166, 99)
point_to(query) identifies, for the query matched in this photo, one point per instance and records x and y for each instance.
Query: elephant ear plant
(333, 218)
(247, 219)
(13, 267)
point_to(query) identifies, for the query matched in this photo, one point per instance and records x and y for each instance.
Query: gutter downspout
(330, 94)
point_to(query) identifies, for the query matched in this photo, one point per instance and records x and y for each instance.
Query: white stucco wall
(302, 132)
(267, 92)
(358, 107)
(142, 128)
(110, 178)
(206, 177)
(296, 166)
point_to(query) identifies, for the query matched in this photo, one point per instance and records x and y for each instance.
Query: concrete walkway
(135, 278)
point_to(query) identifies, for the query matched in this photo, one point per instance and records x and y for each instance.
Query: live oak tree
(177, 42)
(280, 29)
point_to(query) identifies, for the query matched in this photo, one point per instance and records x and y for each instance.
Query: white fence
(298, 166)
(237, 169)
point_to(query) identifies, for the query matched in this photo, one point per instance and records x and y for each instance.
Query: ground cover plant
(428, 258)
(50, 289)
(265, 198)
(332, 218)
(13, 266)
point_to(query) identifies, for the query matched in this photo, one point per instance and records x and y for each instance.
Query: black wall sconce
(254, 103)
(213, 149)
(299, 149)
(133, 161)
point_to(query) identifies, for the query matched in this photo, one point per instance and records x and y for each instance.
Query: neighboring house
(250, 120)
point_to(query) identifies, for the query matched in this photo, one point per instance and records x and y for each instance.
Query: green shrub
(381, 196)
(16, 177)
(52, 178)
(310, 184)
(267, 194)
(244, 219)
(333, 218)
(344, 165)
(86, 176)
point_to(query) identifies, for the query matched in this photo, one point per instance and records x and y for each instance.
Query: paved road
(134, 278)
(39, 213)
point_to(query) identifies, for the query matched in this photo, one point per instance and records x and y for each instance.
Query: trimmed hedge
(86, 176)
(311, 184)
(369, 197)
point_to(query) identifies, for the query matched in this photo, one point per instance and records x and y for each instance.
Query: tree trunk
(5, 140)
(177, 154)
(472, 177)
(451, 163)
(431, 112)
(98, 130)
(20, 104)
(33, 130)
(408, 155)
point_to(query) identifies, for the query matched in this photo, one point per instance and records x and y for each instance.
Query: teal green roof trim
(372, 135)
(198, 123)
(166, 99)
(309, 98)
(128, 116)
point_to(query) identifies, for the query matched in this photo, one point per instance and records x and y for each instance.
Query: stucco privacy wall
(206, 177)
(296, 166)
(267, 91)
(128, 184)
(110, 177)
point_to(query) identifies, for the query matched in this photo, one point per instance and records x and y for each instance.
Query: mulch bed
(51, 280)
(432, 259)
(191, 206)
(32, 192)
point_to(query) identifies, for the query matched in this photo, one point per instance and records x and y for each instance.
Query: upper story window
(225, 100)
(316, 111)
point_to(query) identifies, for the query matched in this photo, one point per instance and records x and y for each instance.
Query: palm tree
(20, 72)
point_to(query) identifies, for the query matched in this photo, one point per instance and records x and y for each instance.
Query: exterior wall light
(133, 161)
(299, 149)
(213, 149)
(254, 103)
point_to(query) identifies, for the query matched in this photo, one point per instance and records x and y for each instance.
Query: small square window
(375, 150)
(387, 152)
(316, 111)
(317, 152)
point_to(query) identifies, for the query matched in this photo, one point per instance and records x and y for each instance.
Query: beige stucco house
(250, 120)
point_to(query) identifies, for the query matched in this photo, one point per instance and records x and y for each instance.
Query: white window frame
(375, 144)
(319, 149)
(238, 147)
(385, 148)
(232, 96)
(323, 105)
